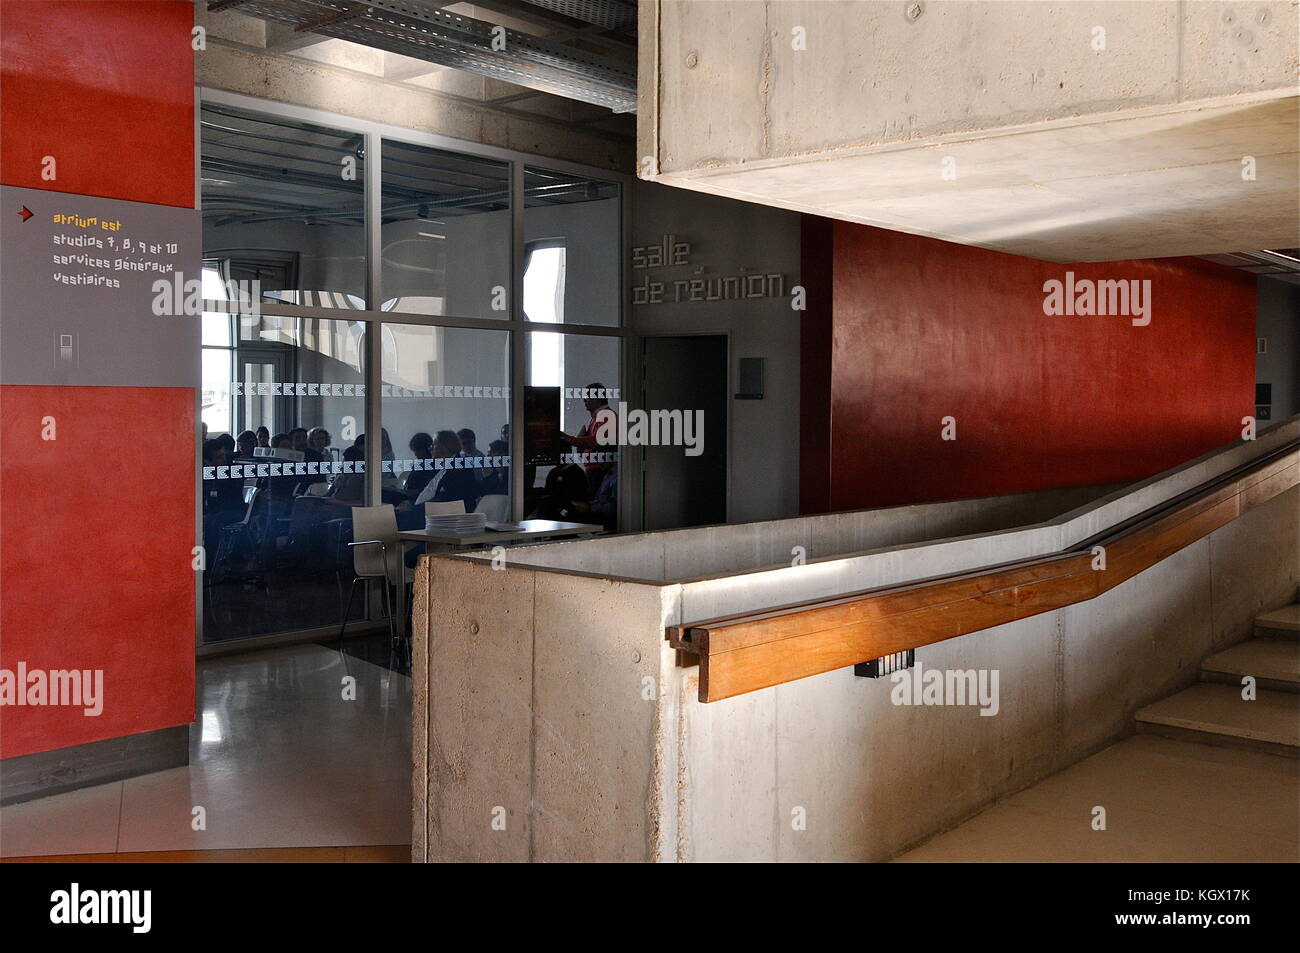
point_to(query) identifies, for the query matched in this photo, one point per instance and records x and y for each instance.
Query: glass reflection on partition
(446, 233)
(446, 414)
(283, 466)
(583, 487)
(572, 244)
(283, 206)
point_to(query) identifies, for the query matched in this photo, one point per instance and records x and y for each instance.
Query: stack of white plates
(455, 524)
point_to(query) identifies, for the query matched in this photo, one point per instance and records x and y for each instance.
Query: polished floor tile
(78, 822)
(296, 747)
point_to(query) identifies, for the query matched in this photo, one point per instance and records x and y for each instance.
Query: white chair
(376, 554)
(442, 509)
(495, 506)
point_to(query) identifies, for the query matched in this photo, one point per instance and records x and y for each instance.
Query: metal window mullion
(629, 512)
(200, 592)
(440, 321)
(518, 340)
(374, 369)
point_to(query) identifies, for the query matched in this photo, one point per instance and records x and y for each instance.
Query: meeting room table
(529, 531)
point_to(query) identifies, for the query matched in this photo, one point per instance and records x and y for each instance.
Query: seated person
(496, 480)
(349, 489)
(281, 488)
(390, 481)
(318, 439)
(443, 485)
(603, 508)
(565, 485)
(245, 443)
(385, 445)
(263, 437)
(223, 500)
(449, 484)
(414, 481)
(469, 448)
(313, 447)
(468, 443)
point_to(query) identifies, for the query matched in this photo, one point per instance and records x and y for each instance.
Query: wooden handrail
(749, 651)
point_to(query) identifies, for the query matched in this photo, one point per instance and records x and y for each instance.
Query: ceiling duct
(1281, 263)
(618, 15)
(420, 29)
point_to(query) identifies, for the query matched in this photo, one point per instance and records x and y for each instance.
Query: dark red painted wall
(107, 88)
(96, 526)
(925, 329)
(817, 276)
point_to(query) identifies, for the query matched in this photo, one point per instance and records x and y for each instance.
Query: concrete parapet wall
(682, 555)
(540, 734)
(550, 703)
(873, 778)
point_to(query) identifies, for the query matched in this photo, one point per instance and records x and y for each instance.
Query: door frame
(638, 365)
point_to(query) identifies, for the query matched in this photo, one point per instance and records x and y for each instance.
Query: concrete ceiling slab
(1028, 141)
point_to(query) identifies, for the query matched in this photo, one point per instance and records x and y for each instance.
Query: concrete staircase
(1214, 712)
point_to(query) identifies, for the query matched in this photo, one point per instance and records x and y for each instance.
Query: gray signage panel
(77, 296)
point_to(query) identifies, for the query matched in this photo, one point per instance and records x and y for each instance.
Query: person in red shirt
(587, 440)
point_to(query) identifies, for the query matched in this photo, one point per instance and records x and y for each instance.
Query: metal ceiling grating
(423, 31)
(617, 15)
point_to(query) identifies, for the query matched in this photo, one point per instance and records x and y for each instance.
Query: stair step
(1284, 620)
(1274, 663)
(1217, 714)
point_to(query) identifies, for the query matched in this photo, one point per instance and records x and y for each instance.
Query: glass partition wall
(381, 306)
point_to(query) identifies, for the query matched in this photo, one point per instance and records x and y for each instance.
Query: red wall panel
(107, 88)
(925, 329)
(96, 528)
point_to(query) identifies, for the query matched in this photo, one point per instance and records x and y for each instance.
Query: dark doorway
(687, 373)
